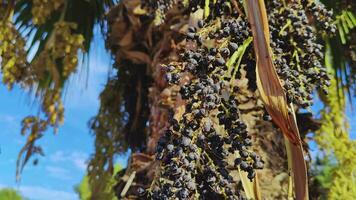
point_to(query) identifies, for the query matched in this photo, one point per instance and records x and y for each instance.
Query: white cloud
(7, 118)
(77, 158)
(58, 172)
(43, 193)
(9, 121)
(58, 156)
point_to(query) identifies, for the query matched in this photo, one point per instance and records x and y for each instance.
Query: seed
(220, 61)
(225, 52)
(170, 147)
(190, 36)
(186, 141)
(191, 29)
(243, 165)
(200, 23)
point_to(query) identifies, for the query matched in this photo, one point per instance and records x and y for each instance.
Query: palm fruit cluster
(60, 59)
(159, 8)
(67, 46)
(323, 18)
(13, 62)
(61, 53)
(300, 68)
(42, 9)
(196, 149)
(53, 107)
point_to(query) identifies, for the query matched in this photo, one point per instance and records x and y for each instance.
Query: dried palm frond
(272, 93)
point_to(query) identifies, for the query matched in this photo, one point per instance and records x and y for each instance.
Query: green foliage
(322, 176)
(327, 167)
(83, 189)
(343, 48)
(10, 194)
(333, 139)
(338, 178)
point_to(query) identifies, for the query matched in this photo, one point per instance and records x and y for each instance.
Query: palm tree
(152, 42)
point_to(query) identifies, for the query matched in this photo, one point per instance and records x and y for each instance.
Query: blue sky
(67, 152)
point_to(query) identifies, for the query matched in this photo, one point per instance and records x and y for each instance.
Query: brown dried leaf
(119, 28)
(133, 18)
(137, 56)
(127, 39)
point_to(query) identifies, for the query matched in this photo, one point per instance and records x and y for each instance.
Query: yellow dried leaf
(246, 184)
(137, 56)
(139, 11)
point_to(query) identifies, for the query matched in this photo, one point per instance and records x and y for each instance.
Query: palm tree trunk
(134, 37)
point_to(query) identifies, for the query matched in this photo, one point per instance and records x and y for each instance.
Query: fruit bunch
(53, 107)
(298, 54)
(195, 150)
(67, 45)
(322, 17)
(158, 8)
(42, 10)
(60, 56)
(60, 59)
(13, 63)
